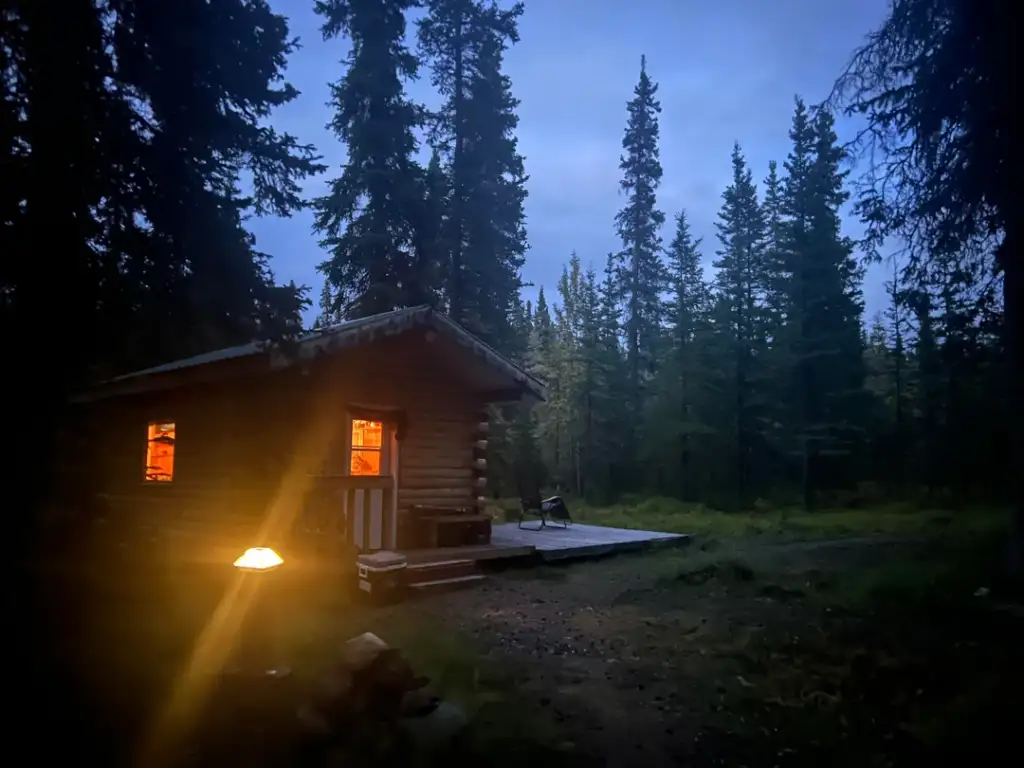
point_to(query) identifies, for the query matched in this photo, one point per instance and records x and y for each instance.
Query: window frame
(383, 449)
(153, 483)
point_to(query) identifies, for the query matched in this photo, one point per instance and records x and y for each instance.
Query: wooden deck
(478, 552)
(579, 540)
(508, 541)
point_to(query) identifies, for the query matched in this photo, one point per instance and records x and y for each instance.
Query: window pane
(160, 453)
(365, 461)
(367, 434)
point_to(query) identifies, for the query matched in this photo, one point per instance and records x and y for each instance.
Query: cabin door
(373, 452)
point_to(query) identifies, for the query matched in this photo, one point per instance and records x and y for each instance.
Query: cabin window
(367, 446)
(160, 452)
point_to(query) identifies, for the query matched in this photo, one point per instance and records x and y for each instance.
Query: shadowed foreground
(861, 651)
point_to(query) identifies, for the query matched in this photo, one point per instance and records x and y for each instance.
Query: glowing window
(367, 447)
(160, 452)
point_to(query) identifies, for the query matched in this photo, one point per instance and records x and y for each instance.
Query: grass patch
(906, 660)
(898, 583)
(726, 570)
(673, 516)
(943, 573)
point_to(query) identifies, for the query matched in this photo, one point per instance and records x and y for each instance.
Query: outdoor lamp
(256, 648)
(258, 559)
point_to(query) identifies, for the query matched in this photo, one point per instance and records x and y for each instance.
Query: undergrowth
(673, 516)
(912, 661)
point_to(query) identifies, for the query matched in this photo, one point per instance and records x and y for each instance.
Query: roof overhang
(256, 358)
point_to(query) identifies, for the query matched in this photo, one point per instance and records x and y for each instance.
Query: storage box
(381, 574)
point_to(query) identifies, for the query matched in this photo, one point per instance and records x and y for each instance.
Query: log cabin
(368, 435)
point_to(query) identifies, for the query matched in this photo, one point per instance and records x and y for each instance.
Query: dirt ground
(754, 651)
(638, 658)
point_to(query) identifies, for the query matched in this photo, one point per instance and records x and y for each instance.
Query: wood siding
(246, 447)
(436, 457)
(436, 454)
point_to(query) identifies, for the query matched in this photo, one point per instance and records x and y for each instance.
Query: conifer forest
(757, 380)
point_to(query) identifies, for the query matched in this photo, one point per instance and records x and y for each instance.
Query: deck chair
(552, 508)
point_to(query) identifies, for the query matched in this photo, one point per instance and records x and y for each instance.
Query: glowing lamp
(256, 653)
(258, 559)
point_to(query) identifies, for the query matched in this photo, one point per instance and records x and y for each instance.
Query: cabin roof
(346, 335)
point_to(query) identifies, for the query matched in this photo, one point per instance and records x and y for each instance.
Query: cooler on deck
(381, 574)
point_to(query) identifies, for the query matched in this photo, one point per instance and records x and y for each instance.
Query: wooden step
(441, 569)
(445, 585)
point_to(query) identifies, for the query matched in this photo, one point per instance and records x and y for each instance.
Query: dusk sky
(727, 71)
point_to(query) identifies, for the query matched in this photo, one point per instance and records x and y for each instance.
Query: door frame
(390, 460)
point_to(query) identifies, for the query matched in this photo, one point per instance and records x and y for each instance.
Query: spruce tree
(370, 217)
(568, 372)
(210, 130)
(429, 267)
(688, 304)
(496, 231)
(797, 368)
(464, 41)
(896, 330)
(542, 327)
(639, 273)
(741, 286)
(545, 350)
(448, 34)
(612, 401)
(678, 384)
(774, 244)
(592, 393)
(823, 330)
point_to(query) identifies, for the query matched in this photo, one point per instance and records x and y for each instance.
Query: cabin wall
(241, 444)
(231, 440)
(439, 448)
(436, 459)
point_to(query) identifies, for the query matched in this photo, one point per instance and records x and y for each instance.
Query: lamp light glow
(258, 559)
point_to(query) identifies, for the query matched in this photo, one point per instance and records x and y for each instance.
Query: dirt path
(634, 656)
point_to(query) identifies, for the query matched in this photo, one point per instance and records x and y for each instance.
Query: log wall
(438, 456)
(241, 444)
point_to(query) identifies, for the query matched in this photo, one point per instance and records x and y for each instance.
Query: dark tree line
(451, 232)
(127, 131)
(762, 382)
(942, 171)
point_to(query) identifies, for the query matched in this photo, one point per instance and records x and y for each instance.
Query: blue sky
(727, 71)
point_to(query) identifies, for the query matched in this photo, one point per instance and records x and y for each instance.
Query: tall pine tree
(741, 287)
(639, 272)
(496, 230)
(464, 42)
(680, 381)
(370, 219)
(823, 331)
(448, 36)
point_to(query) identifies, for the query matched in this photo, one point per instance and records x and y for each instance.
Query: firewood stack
(371, 708)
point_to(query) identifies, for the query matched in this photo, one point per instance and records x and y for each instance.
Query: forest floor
(864, 651)
(749, 649)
